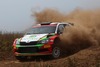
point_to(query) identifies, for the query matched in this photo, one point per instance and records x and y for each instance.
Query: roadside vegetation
(6, 41)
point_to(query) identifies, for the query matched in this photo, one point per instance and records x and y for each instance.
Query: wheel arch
(56, 39)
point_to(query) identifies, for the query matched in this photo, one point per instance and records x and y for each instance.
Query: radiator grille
(27, 50)
(30, 43)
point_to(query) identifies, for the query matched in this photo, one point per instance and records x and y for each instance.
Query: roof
(52, 23)
(55, 23)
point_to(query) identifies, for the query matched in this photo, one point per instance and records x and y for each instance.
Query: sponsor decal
(33, 37)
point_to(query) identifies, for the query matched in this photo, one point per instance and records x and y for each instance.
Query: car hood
(33, 37)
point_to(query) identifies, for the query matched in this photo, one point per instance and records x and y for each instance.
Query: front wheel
(56, 52)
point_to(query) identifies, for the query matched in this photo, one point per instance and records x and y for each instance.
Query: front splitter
(32, 54)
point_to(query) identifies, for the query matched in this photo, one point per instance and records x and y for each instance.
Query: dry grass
(6, 41)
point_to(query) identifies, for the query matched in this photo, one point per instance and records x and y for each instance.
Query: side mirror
(59, 32)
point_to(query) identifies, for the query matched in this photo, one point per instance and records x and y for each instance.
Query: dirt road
(89, 57)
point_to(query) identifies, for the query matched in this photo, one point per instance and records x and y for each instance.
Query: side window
(61, 28)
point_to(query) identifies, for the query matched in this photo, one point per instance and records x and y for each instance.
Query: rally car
(41, 39)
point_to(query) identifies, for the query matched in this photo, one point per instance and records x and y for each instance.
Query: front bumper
(33, 51)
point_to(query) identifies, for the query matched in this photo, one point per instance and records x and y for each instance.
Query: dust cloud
(84, 33)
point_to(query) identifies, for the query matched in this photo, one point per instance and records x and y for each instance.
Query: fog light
(47, 46)
(15, 47)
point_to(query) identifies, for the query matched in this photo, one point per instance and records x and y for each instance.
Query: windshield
(42, 30)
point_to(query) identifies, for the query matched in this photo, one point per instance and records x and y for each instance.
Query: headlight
(44, 41)
(17, 42)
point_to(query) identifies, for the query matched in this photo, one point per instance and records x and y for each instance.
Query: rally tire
(56, 50)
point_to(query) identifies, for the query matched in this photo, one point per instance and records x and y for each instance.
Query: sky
(15, 15)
